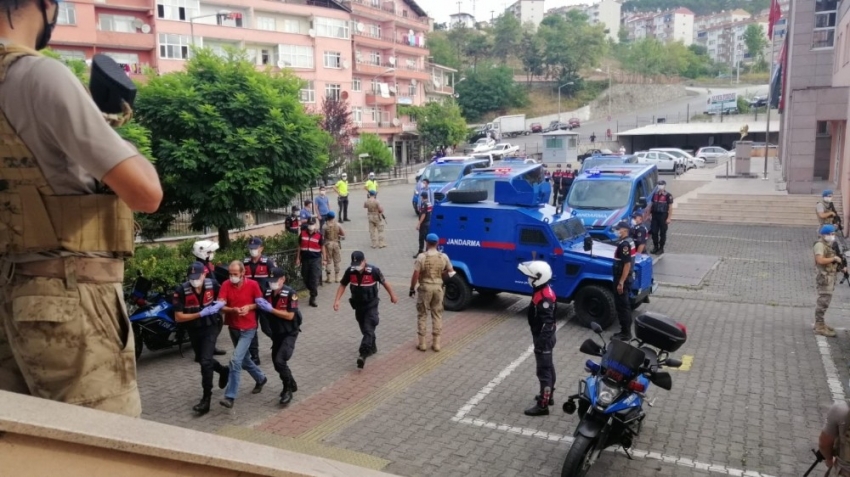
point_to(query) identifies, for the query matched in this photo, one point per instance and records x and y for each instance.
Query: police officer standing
(827, 262)
(662, 213)
(60, 151)
(310, 256)
(363, 280)
(624, 264)
(541, 320)
(428, 270)
(332, 233)
(569, 177)
(341, 188)
(638, 232)
(374, 213)
(280, 304)
(424, 224)
(371, 185)
(195, 305)
(257, 268)
(557, 183)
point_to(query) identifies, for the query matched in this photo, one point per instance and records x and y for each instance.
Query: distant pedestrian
(323, 206)
(557, 183)
(593, 138)
(341, 189)
(371, 185)
(306, 211)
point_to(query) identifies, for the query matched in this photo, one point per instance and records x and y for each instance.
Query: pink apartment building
(370, 52)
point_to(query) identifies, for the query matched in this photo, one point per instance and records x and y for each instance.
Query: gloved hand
(412, 293)
(212, 309)
(264, 305)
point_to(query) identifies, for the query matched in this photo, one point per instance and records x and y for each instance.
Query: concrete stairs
(787, 210)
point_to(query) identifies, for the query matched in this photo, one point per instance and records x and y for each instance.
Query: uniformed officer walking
(624, 264)
(257, 268)
(638, 232)
(827, 263)
(66, 265)
(374, 213)
(332, 233)
(293, 221)
(371, 185)
(662, 213)
(363, 280)
(195, 305)
(341, 188)
(280, 304)
(424, 224)
(204, 252)
(428, 271)
(310, 256)
(541, 320)
(557, 182)
(834, 441)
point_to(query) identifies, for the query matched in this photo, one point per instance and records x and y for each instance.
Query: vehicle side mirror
(662, 380)
(588, 244)
(672, 363)
(642, 202)
(591, 347)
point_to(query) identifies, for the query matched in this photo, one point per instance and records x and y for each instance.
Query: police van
(499, 217)
(444, 173)
(609, 193)
(595, 161)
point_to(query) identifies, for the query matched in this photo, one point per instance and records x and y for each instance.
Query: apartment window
(219, 50)
(375, 31)
(233, 20)
(174, 47)
(356, 85)
(357, 114)
(308, 93)
(376, 86)
(71, 55)
(119, 23)
(333, 59)
(411, 89)
(124, 58)
(177, 9)
(823, 35)
(295, 56)
(266, 23)
(291, 25)
(332, 28)
(375, 58)
(67, 14)
(332, 91)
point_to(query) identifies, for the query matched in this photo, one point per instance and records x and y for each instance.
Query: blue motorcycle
(610, 400)
(152, 319)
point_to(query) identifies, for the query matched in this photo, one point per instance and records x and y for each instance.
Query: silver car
(713, 153)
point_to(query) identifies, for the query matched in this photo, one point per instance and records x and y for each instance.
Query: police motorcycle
(610, 400)
(152, 318)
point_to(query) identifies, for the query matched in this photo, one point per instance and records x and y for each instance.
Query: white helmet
(538, 272)
(204, 249)
(371, 175)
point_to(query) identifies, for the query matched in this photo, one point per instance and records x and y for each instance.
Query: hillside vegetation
(699, 7)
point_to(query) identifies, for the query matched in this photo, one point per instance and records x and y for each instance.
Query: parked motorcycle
(152, 319)
(610, 400)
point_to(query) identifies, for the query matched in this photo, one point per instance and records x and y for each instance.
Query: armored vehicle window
(442, 172)
(479, 184)
(639, 193)
(529, 236)
(651, 180)
(600, 195)
(534, 176)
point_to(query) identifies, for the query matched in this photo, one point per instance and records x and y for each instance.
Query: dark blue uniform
(639, 234)
(541, 320)
(259, 272)
(364, 300)
(662, 201)
(425, 209)
(283, 333)
(624, 254)
(203, 331)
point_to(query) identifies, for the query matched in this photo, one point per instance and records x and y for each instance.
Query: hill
(699, 7)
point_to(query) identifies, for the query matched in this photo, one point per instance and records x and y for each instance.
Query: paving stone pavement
(752, 400)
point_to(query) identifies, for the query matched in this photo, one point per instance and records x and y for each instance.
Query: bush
(166, 265)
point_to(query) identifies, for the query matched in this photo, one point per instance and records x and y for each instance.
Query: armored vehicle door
(533, 243)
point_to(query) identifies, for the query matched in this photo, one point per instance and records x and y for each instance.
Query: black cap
(622, 225)
(357, 258)
(255, 242)
(276, 272)
(662, 182)
(637, 213)
(196, 270)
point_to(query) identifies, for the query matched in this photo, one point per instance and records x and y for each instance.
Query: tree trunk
(223, 237)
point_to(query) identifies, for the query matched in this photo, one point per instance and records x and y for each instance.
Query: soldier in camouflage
(827, 263)
(332, 232)
(428, 271)
(374, 212)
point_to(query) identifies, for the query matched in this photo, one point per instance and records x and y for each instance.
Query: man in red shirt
(239, 295)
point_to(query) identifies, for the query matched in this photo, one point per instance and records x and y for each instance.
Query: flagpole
(769, 102)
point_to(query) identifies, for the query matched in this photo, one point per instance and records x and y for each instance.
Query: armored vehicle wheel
(458, 293)
(466, 196)
(595, 303)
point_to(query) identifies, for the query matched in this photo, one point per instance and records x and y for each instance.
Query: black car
(593, 152)
(758, 102)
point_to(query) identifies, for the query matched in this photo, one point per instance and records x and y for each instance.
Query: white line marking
(461, 418)
(832, 378)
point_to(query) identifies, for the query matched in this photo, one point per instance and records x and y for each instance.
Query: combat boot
(422, 344)
(313, 302)
(328, 277)
(203, 406)
(435, 345)
(285, 395)
(541, 407)
(336, 278)
(823, 330)
(551, 399)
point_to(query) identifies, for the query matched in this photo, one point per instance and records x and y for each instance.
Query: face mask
(829, 238)
(634, 222)
(235, 280)
(42, 41)
(255, 253)
(662, 187)
(827, 199)
(275, 286)
(321, 192)
(211, 256)
(196, 283)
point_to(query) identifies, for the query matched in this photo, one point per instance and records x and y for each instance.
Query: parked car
(758, 102)
(503, 149)
(484, 144)
(556, 125)
(691, 161)
(536, 128)
(713, 153)
(574, 123)
(664, 161)
(594, 152)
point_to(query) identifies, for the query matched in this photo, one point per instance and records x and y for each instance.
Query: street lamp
(559, 101)
(218, 14)
(375, 94)
(608, 72)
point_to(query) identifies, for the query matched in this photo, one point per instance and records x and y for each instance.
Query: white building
(606, 12)
(461, 20)
(527, 11)
(721, 18)
(725, 43)
(440, 87)
(667, 27)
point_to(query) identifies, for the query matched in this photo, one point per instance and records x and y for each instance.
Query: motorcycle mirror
(588, 244)
(591, 347)
(595, 327)
(672, 363)
(662, 380)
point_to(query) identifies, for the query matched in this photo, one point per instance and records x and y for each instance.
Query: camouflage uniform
(825, 283)
(64, 330)
(332, 231)
(376, 226)
(430, 264)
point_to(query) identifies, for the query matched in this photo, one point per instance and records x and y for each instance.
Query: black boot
(361, 361)
(293, 386)
(661, 250)
(541, 407)
(313, 302)
(551, 399)
(256, 359)
(654, 250)
(286, 394)
(203, 406)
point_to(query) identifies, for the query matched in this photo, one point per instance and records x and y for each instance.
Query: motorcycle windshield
(622, 362)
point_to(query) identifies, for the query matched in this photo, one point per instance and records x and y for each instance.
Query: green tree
(479, 46)
(379, 157)
(623, 35)
(507, 34)
(531, 52)
(458, 38)
(569, 45)
(755, 39)
(442, 50)
(229, 139)
(699, 7)
(439, 124)
(488, 88)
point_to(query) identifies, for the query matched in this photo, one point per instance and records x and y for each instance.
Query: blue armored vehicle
(443, 175)
(498, 217)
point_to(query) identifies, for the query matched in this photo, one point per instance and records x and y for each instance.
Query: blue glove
(216, 307)
(264, 305)
(210, 310)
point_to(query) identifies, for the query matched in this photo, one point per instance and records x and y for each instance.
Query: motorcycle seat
(650, 357)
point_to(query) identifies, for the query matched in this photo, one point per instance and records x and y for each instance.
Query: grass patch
(543, 99)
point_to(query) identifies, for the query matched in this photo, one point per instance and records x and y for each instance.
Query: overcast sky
(440, 10)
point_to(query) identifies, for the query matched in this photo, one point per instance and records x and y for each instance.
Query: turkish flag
(773, 18)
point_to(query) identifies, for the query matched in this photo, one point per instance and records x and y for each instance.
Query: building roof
(700, 128)
(683, 11)
(461, 14)
(441, 67)
(560, 132)
(416, 8)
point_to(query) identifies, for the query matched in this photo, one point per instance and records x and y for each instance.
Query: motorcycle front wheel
(579, 459)
(137, 336)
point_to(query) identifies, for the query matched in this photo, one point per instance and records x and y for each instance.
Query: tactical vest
(828, 252)
(620, 262)
(542, 309)
(425, 208)
(191, 304)
(332, 232)
(286, 300)
(257, 270)
(33, 218)
(293, 223)
(660, 203)
(372, 207)
(309, 242)
(432, 269)
(363, 285)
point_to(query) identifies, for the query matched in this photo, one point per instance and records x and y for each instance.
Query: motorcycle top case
(660, 331)
(622, 361)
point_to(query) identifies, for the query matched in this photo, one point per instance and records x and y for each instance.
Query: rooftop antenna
(459, 2)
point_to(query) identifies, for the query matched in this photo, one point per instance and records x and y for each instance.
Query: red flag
(783, 64)
(773, 18)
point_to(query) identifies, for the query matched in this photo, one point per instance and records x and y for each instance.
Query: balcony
(126, 41)
(373, 68)
(411, 72)
(382, 12)
(403, 45)
(430, 88)
(373, 99)
(127, 5)
(381, 42)
(384, 127)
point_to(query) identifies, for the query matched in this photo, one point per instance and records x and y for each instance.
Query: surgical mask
(275, 286)
(44, 38)
(662, 187)
(196, 283)
(827, 199)
(210, 256)
(634, 222)
(829, 238)
(235, 280)
(255, 253)
(321, 192)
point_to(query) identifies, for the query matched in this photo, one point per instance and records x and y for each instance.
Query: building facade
(605, 12)
(527, 11)
(725, 42)
(667, 27)
(441, 85)
(706, 22)
(461, 20)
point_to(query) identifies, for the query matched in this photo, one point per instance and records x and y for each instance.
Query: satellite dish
(414, 82)
(344, 95)
(392, 60)
(345, 64)
(410, 32)
(312, 33)
(396, 122)
(392, 89)
(146, 28)
(359, 56)
(137, 23)
(360, 27)
(281, 64)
